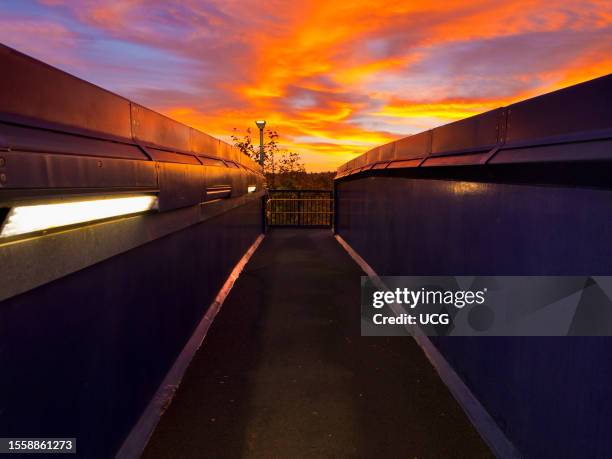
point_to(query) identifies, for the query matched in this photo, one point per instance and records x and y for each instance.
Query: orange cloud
(444, 110)
(334, 78)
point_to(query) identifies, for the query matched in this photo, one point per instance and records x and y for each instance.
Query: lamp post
(261, 124)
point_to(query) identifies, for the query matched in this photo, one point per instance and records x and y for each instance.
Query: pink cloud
(333, 73)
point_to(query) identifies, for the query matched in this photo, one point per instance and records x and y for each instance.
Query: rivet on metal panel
(2, 162)
(99, 163)
(2, 178)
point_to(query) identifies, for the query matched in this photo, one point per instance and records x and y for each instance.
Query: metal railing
(300, 208)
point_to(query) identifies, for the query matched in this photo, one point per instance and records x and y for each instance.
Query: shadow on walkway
(284, 372)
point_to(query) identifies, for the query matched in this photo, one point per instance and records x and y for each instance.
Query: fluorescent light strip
(27, 219)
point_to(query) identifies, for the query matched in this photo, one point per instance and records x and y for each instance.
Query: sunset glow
(333, 78)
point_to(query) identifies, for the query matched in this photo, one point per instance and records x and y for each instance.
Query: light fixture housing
(251, 188)
(27, 219)
(261, 124)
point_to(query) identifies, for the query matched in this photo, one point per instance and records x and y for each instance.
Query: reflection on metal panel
(31, 89)
(152, 128)
(181, 185)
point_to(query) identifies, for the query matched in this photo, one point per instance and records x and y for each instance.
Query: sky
(334, 78)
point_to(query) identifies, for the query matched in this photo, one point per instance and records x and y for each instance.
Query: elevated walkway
(284, 371)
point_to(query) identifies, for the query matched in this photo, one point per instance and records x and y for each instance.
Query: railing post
(299, 195)
(334, 216)
(264, 212)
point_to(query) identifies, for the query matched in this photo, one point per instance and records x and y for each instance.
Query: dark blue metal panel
(551, 396)
(82, 356)
(579, 109)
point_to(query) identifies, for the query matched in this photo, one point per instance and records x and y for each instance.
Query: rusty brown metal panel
(249, 163)
(387, 151)
(42, 94)
(476, 133)
(22, 138)
(181, 185)
(414, 146)
(239, 182)
(254, 165)
(404, 163)
(225, 151)
(235, 154)
(241, 158)
(372, 156)
(29, 170)
(217, 177)
(36, 95)
(246, 160)
(360, 160)
(152, 128)
(207, 161)
(171, 157)
(203, 144)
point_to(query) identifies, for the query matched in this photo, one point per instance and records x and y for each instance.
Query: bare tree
(276, 162)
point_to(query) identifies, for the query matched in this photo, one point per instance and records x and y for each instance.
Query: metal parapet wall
(572, 124)
(63, 139)
(37, 95)
(94, 313)
(58, 132)
(535, 201)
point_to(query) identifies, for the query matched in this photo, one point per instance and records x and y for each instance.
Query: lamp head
(260, 124)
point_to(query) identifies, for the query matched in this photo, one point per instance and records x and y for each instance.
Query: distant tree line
(283, 169)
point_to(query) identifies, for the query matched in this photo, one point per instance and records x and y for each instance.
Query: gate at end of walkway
(300, 208)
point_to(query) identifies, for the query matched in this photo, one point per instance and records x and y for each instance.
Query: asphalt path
(284, 372)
